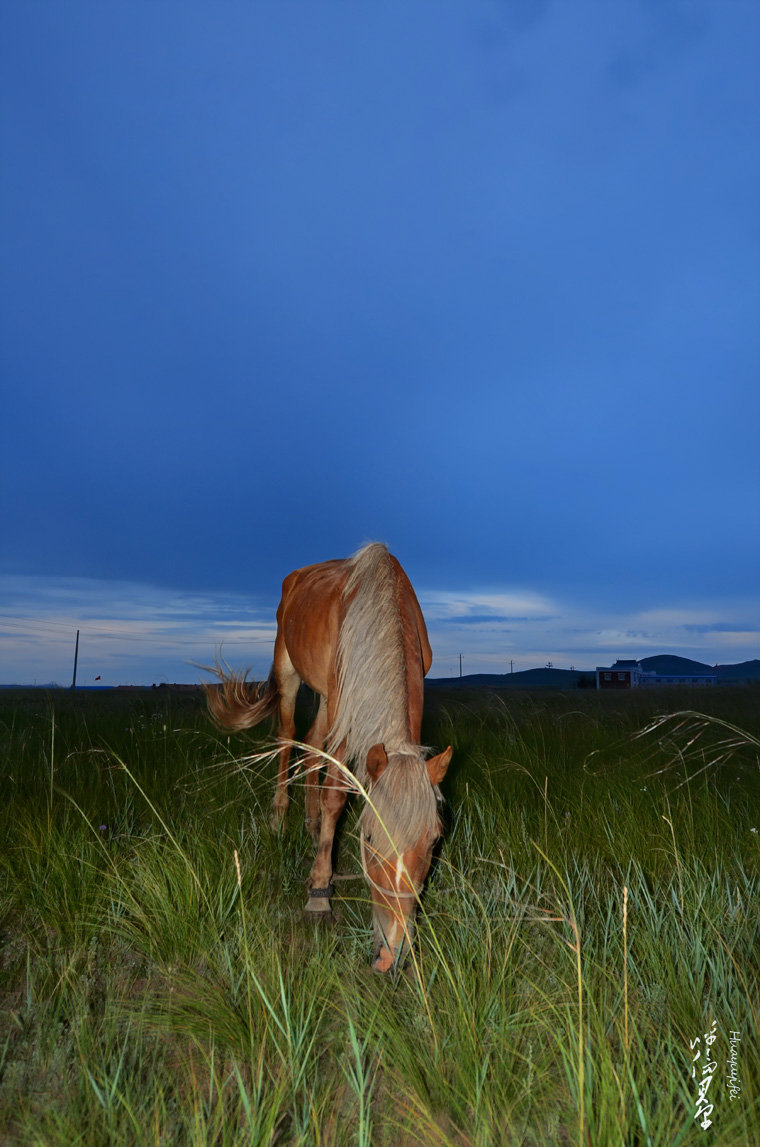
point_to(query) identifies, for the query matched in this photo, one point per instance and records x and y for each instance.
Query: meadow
(588, 940)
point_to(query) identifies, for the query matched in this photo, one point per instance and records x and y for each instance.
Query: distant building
(621, 675)
(630, 675)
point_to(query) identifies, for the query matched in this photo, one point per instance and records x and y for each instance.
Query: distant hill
(744, 671)
(527, 679)
(664, 664)
(668, 665)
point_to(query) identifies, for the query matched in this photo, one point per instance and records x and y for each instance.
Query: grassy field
(594, 909)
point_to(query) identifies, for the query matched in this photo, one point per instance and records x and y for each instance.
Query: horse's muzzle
(392, 948)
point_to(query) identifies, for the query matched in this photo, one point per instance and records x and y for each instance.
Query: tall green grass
(594, 905)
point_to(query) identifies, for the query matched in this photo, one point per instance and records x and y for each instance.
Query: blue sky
(480, 280)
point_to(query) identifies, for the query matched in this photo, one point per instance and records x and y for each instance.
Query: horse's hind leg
(312, 764)
(287, 683)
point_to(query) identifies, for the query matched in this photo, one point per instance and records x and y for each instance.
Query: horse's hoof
(318, 905)
(318, 912)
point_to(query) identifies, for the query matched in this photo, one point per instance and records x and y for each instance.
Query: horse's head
(399, 828)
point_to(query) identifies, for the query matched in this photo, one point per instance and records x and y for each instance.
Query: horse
(352, 629)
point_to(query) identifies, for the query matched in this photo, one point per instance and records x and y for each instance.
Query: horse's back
(313, 607)
(308, 620)
(412, 617)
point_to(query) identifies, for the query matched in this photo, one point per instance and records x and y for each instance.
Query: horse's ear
(437, 766)
(377, 759)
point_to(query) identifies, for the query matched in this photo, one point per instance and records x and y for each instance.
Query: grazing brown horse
(353, 630)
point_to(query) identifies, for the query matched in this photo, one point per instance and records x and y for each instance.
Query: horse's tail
(237, 704)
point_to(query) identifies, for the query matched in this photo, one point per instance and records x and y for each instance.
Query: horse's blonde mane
(372, 696)
(373, 701)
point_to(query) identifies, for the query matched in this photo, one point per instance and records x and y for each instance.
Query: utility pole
(460, 664)
(511, 665)
(76, 658)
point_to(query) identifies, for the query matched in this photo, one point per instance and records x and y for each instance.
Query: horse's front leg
(332, 802)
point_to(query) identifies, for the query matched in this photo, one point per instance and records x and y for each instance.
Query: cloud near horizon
(133, 633)
(130, 632)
